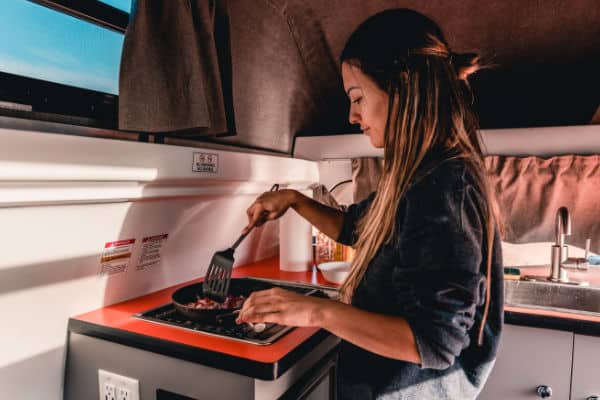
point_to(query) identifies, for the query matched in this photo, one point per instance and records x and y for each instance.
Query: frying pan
(189, 294)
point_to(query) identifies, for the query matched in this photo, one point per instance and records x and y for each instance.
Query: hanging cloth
(170, 79)
(366, 172)
(531, 189)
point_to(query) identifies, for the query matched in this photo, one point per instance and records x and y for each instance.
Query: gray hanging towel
(169, 79)
(366, 172)
(324, 196)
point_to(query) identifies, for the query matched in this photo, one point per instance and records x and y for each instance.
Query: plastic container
(295, 243)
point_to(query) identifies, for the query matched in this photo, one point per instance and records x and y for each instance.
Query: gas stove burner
(168, 315)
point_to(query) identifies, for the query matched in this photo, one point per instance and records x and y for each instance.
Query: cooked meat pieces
(204, 303)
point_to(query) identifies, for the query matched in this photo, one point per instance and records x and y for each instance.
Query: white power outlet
(123, 394)
(108, 391)
(117, 387)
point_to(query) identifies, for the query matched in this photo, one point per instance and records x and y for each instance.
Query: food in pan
(204, 303)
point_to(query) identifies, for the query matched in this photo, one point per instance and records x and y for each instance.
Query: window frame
(31, 98)
(93, 11)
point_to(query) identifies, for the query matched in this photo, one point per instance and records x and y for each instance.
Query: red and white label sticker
(151, 249)
(116, 255)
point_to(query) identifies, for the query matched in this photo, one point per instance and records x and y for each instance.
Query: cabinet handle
(544, 391)
(594, 397)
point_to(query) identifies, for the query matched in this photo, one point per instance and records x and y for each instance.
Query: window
(123, 5)
(62, 59)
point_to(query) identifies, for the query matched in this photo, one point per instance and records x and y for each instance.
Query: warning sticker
(205, 162)
(116, 255)
(150, 254)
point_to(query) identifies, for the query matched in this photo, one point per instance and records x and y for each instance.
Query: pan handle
(221, 317)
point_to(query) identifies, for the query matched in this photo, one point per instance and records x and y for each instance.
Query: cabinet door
(528, 358)
(318, 384)
(586, 375)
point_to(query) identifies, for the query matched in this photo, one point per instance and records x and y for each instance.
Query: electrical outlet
(117, 387)
(108, 391)
(123, 394)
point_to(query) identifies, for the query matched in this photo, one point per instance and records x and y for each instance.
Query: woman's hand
(387, 335)
(283, 307)
(269, 206)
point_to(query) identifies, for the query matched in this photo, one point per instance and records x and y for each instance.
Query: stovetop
(168, 315)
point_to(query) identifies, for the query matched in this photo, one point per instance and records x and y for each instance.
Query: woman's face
(368, 103)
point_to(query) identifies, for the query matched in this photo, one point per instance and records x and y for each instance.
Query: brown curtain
(170, 77)
(531, 189)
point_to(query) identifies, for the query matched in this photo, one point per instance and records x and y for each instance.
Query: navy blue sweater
(433, 275)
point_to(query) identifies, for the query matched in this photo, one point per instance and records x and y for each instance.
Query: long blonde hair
(428, 123)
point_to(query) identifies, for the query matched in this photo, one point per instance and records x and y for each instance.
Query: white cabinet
(586, 374)
(528, 358)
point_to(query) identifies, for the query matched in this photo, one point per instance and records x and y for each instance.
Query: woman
(422, 306)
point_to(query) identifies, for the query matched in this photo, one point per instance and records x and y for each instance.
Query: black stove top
(168, 315)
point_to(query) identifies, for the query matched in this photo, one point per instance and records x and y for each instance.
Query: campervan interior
(135, 134)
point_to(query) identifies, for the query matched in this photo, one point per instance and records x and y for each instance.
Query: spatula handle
(263, 216)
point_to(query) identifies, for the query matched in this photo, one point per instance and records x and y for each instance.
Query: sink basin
(552, 296)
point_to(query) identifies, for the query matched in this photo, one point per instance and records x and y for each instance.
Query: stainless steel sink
(552, 296)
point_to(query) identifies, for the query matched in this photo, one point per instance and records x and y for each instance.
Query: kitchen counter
(577, 322)
(116, 323)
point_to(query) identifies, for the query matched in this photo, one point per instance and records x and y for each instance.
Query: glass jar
(327, 249)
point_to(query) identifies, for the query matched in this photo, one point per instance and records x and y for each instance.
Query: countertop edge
(214, 359)
(579, 326)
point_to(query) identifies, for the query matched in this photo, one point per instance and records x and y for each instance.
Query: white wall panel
(63, 197)
(41, 156)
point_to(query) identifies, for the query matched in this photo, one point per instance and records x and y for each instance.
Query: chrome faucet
(560, 260)
(559, 250)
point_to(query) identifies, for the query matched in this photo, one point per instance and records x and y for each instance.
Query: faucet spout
(560, 261)
(563, 225)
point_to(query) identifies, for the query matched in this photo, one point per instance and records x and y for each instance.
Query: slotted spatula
(218, 276)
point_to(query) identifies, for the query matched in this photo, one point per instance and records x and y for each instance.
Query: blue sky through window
(45, 44)
(123, 5)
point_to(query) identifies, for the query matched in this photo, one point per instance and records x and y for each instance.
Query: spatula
(218, 276)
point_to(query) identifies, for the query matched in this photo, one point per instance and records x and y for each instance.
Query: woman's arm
(328, 220)
(274, 204)
(388, 336)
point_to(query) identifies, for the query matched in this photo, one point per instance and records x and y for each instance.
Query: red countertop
(270, 269)
(120, 316)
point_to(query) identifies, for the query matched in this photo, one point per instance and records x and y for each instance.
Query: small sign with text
(151, 250)
(115, 256)
(205, 162)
